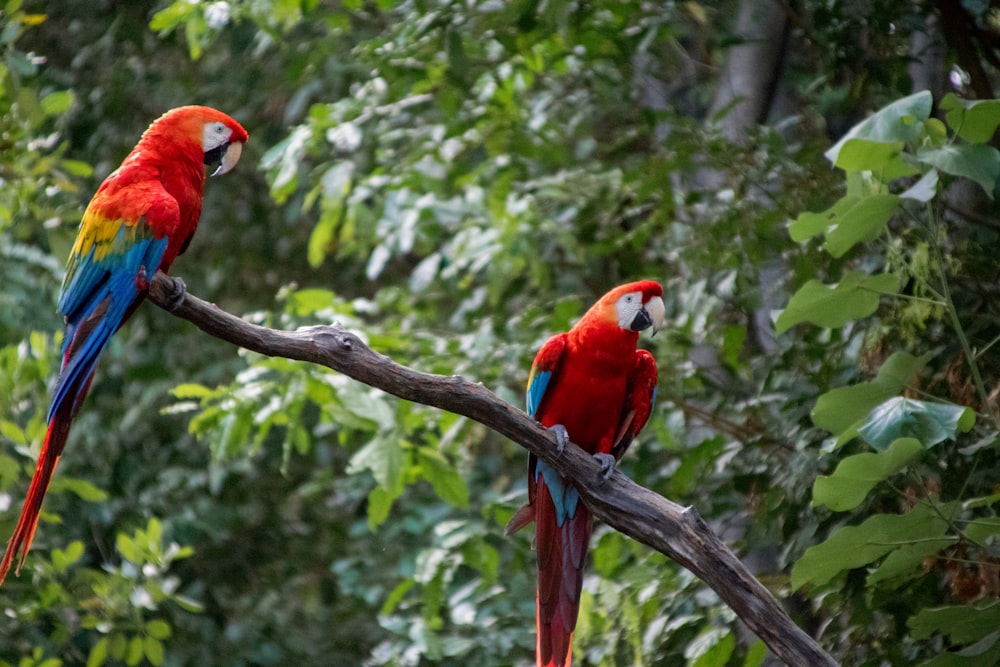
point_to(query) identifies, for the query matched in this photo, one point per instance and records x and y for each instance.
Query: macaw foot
(177, 292)
(562, 437)
(607, 462)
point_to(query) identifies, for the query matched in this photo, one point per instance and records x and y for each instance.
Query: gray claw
(562, 437)
(607, 462)
(177, 293)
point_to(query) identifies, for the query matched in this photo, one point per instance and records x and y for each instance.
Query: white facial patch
(215, 134)
(627, 307)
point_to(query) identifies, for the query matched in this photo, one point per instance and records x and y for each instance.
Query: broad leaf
(854, 297)
(383, 456)
(843, 407)
(906, 563)
(447, 483)
(930, 423)
(856, 475)
(962, 624)
(880, 157)
(850, 221)
(975, 121)
(900, 121)
(978, 162)
(856, 546)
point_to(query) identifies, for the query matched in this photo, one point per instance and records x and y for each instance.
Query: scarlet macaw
(594, 389)
(142, 217)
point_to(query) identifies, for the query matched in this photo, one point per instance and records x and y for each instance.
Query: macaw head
(203, 131)
(634, 307)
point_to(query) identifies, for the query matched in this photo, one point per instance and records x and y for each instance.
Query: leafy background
(456, 181)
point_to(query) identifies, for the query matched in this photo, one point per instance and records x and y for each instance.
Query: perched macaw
(142, 217)
(594, 389)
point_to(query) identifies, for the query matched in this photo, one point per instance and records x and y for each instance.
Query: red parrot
(142, 217)
(594, 389)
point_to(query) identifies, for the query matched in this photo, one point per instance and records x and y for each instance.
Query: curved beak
(656, 313)
(226, 156)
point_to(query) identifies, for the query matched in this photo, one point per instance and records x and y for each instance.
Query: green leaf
(880, 157)
(856, 475)
(83, 489)
(159, 629)
(169, 18)
(899, 121)
(99, 654)
(116, 645)
(397, 594)
(711, 648)
(191, 390)
(978, 162)
(305, 302)
(982, 530)
(61, 560)
(58, 102)
(127, 548)
(851, 220)
(12, 432)
(153, 648)
(839, 409)
(962, 624)
(77, 167)
(856, 546)
(383, 456)
(447, 483)
(379, 504)
(861, 223)
(984, 652)
(907, 562)
(857, 295)
(756, 654)
(930, 423)
(134, 652)
(975, 121)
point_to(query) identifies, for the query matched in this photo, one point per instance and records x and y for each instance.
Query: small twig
(678, 532)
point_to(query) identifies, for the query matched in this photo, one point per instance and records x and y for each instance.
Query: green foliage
(925, 451)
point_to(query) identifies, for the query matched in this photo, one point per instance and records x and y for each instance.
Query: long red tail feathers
(27, 522)
(562, 553)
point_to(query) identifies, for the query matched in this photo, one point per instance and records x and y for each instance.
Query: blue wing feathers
(95, 304)
(536, 389)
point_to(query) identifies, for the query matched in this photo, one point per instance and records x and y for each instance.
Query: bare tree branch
(675, 531)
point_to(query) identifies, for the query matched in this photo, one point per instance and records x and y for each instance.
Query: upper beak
(230, 155)
(656, 312)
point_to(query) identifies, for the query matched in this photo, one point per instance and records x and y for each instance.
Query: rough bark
(678, 532)
(750, 75)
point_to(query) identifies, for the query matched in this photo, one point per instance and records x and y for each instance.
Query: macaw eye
(216, 135)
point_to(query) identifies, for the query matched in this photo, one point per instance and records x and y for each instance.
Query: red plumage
(594, 383)
(142, 216)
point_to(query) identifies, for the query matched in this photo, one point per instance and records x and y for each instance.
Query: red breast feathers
(171, 155)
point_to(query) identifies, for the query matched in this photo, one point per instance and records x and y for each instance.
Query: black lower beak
(641, 321)
(214, 156)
